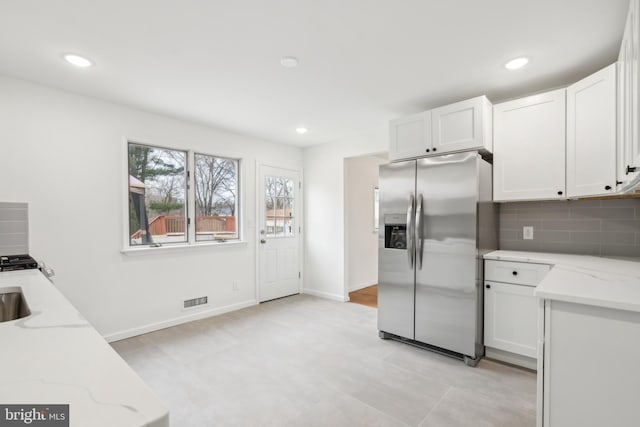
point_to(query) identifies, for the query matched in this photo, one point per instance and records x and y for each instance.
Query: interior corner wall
(64, 155)
(324, 201)
(362, 237)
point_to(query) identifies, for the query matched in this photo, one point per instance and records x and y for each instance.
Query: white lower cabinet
(511, 311)
(589, 376)
(510, 318)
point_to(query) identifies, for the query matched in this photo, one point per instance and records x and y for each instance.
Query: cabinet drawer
(521, 273)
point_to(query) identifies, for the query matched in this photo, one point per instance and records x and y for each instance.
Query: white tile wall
(588, 227)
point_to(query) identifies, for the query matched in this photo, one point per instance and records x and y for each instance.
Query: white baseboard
(512, 358)
(361, 286)
(117, 336)
(326, 295)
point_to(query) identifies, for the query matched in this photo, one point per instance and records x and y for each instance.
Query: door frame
(258, 216)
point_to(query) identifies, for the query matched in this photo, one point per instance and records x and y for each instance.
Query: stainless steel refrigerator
(437, 219)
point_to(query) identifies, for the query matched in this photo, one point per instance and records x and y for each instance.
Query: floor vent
(194, 302)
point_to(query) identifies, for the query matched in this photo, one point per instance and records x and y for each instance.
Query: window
(216, 189)
(159, 196)
(279, 205)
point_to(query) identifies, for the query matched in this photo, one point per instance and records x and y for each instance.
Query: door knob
(263, 241)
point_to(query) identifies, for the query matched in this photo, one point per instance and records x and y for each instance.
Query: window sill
(148, 250)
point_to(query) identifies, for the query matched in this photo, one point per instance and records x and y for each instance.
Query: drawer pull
(515, 273)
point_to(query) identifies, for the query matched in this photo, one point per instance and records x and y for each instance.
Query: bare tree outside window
(216, 189)
(279, 205)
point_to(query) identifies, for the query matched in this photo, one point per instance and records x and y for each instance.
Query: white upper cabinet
(628, 152)
(465, 125)
(410, 136)
(591, 134)
(529, 148)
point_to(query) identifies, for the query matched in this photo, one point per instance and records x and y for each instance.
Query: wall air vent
(194, 302)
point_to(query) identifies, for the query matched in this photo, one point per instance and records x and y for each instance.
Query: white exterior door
(279, 233)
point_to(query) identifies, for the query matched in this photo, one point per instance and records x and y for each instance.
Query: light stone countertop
(54, 356)
(603, 282)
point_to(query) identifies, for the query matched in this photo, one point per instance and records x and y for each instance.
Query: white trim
(190, 200)
(361, 286)
(128, 333)
(512, 358)
(177, 247)
(326, 295)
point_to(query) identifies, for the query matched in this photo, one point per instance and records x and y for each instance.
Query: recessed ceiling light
(302, 130)
(516, 63)
(77, 60)
(289, 61)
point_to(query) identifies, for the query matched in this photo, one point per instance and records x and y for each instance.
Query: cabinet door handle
(488, 286)
(434, 148)
(559, 193)
(607, 187)
(631, 169)
(515, 273)
(428, 150)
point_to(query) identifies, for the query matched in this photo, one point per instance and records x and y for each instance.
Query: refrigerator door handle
(419, 232)
(410, 230)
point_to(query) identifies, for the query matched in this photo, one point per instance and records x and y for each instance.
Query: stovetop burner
(17, 262)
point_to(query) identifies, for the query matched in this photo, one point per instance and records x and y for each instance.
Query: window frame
(238, 196)
(190, 202)
(293, 208)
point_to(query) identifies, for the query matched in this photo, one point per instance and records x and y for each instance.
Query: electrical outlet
(527, 233)
(235, 286)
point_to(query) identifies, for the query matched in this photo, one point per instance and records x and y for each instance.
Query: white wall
(361, 264)
(324, 240)
(64, 155)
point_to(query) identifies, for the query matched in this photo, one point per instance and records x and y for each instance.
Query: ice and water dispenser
(395, 231)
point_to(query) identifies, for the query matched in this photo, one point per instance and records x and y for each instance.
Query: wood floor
(366, 296)
(312, 362)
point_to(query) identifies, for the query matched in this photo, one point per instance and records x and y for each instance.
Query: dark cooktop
(17, 262)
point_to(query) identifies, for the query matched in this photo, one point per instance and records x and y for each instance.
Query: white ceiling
(362, 62)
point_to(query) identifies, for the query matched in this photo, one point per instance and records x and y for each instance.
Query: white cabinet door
(510, 318)
(529, 148)
(624, 130)
(634, 88)
(465, 125)
(591, 134)
(410, 136)
(628, 152)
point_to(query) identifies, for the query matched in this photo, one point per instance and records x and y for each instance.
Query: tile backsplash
(14, 228)
(589, 227)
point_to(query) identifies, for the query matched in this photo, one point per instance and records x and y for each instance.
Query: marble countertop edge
(583, 279)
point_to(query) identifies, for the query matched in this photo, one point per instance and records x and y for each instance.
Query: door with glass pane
(279, 233)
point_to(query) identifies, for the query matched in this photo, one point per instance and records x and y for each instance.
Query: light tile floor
(306, 361)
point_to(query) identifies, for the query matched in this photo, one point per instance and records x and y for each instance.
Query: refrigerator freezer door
(396, 248)
(446, 289)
